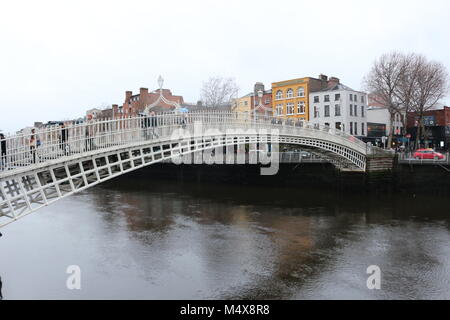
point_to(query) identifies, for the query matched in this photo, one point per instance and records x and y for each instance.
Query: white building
(377, 116)
(93, 113)
(339, 107)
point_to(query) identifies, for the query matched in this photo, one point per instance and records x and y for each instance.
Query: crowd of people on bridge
(33, 140)
(89, 140)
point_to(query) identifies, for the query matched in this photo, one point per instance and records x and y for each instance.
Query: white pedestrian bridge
(48, 164)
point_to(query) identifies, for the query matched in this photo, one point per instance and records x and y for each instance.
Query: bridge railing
(44, 144)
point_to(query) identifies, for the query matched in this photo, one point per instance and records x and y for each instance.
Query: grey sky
(59, 59)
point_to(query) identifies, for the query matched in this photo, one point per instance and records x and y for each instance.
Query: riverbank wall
(404, 178)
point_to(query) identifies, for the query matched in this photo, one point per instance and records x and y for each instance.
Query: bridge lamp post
(260, 95)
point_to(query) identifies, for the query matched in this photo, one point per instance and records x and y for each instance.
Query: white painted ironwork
(161, 97)
(52, 163)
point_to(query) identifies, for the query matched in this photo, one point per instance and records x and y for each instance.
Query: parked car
(422, 154)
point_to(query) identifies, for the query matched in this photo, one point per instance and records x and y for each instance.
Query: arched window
(279, 95)
(290, 93)
(301, 92)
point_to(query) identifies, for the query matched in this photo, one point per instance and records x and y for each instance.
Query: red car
(428, 154)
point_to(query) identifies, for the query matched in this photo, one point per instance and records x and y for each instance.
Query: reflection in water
(185, 240)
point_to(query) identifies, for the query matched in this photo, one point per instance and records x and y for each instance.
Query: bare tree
(412, 63)
(431, 85)
(383, 82)
(219, 91)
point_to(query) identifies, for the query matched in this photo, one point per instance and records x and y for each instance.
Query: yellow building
(243, 105)
(290, 98)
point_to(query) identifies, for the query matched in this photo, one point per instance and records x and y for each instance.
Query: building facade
(377, 116)
(242, 105)
(135, 104)
(437, 128)
(379, 123)
(340, 107)
(252, 103)
(290, 98)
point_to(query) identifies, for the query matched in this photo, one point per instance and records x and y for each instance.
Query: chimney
(143, 92)
(258, 86)
(128, 95)
(333, 81)
(115, 110)
(323, 77)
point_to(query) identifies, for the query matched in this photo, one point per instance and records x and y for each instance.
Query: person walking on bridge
(145, 124)
(3, 152)
(34, 143)
(153, 123)
(63, 137)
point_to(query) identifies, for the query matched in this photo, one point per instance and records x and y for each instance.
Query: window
(362, 111)
(327, 111)
(356, 111)
(290, 108)
(301, 92)
(362, 99)
(351, 127)
(279, 95)
(327, 98)
(337, 97)
(279, 109)
(327, 124)
(351, 97)
(316, 99)
(351, 110)
(338, 125)
(267, 101)
(245, 103)
(316, 112)
(301, 107)
(362, 129)
(356, 128)
(337, 110)
(290, 93)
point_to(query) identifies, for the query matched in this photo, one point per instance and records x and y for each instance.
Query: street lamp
(160, 82)
(260, 95)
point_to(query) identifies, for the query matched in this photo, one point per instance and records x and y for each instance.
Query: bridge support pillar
(380, 171)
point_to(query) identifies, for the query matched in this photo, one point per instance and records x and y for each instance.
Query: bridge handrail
(22, 150)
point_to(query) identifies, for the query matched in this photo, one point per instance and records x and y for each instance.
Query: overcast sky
(58, 59)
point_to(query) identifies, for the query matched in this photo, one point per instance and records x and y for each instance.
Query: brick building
(437, 127)
(135, 104)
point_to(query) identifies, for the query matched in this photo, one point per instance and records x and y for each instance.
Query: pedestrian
(34, 143)
(184, 121)
(89, 143)
(153, 123)
(145, 122)
(1, 285)
(3, 152)
(63, 137)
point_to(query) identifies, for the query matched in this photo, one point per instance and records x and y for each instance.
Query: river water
(186, 240)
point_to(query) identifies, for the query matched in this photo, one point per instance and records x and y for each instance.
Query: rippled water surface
(169, 240)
